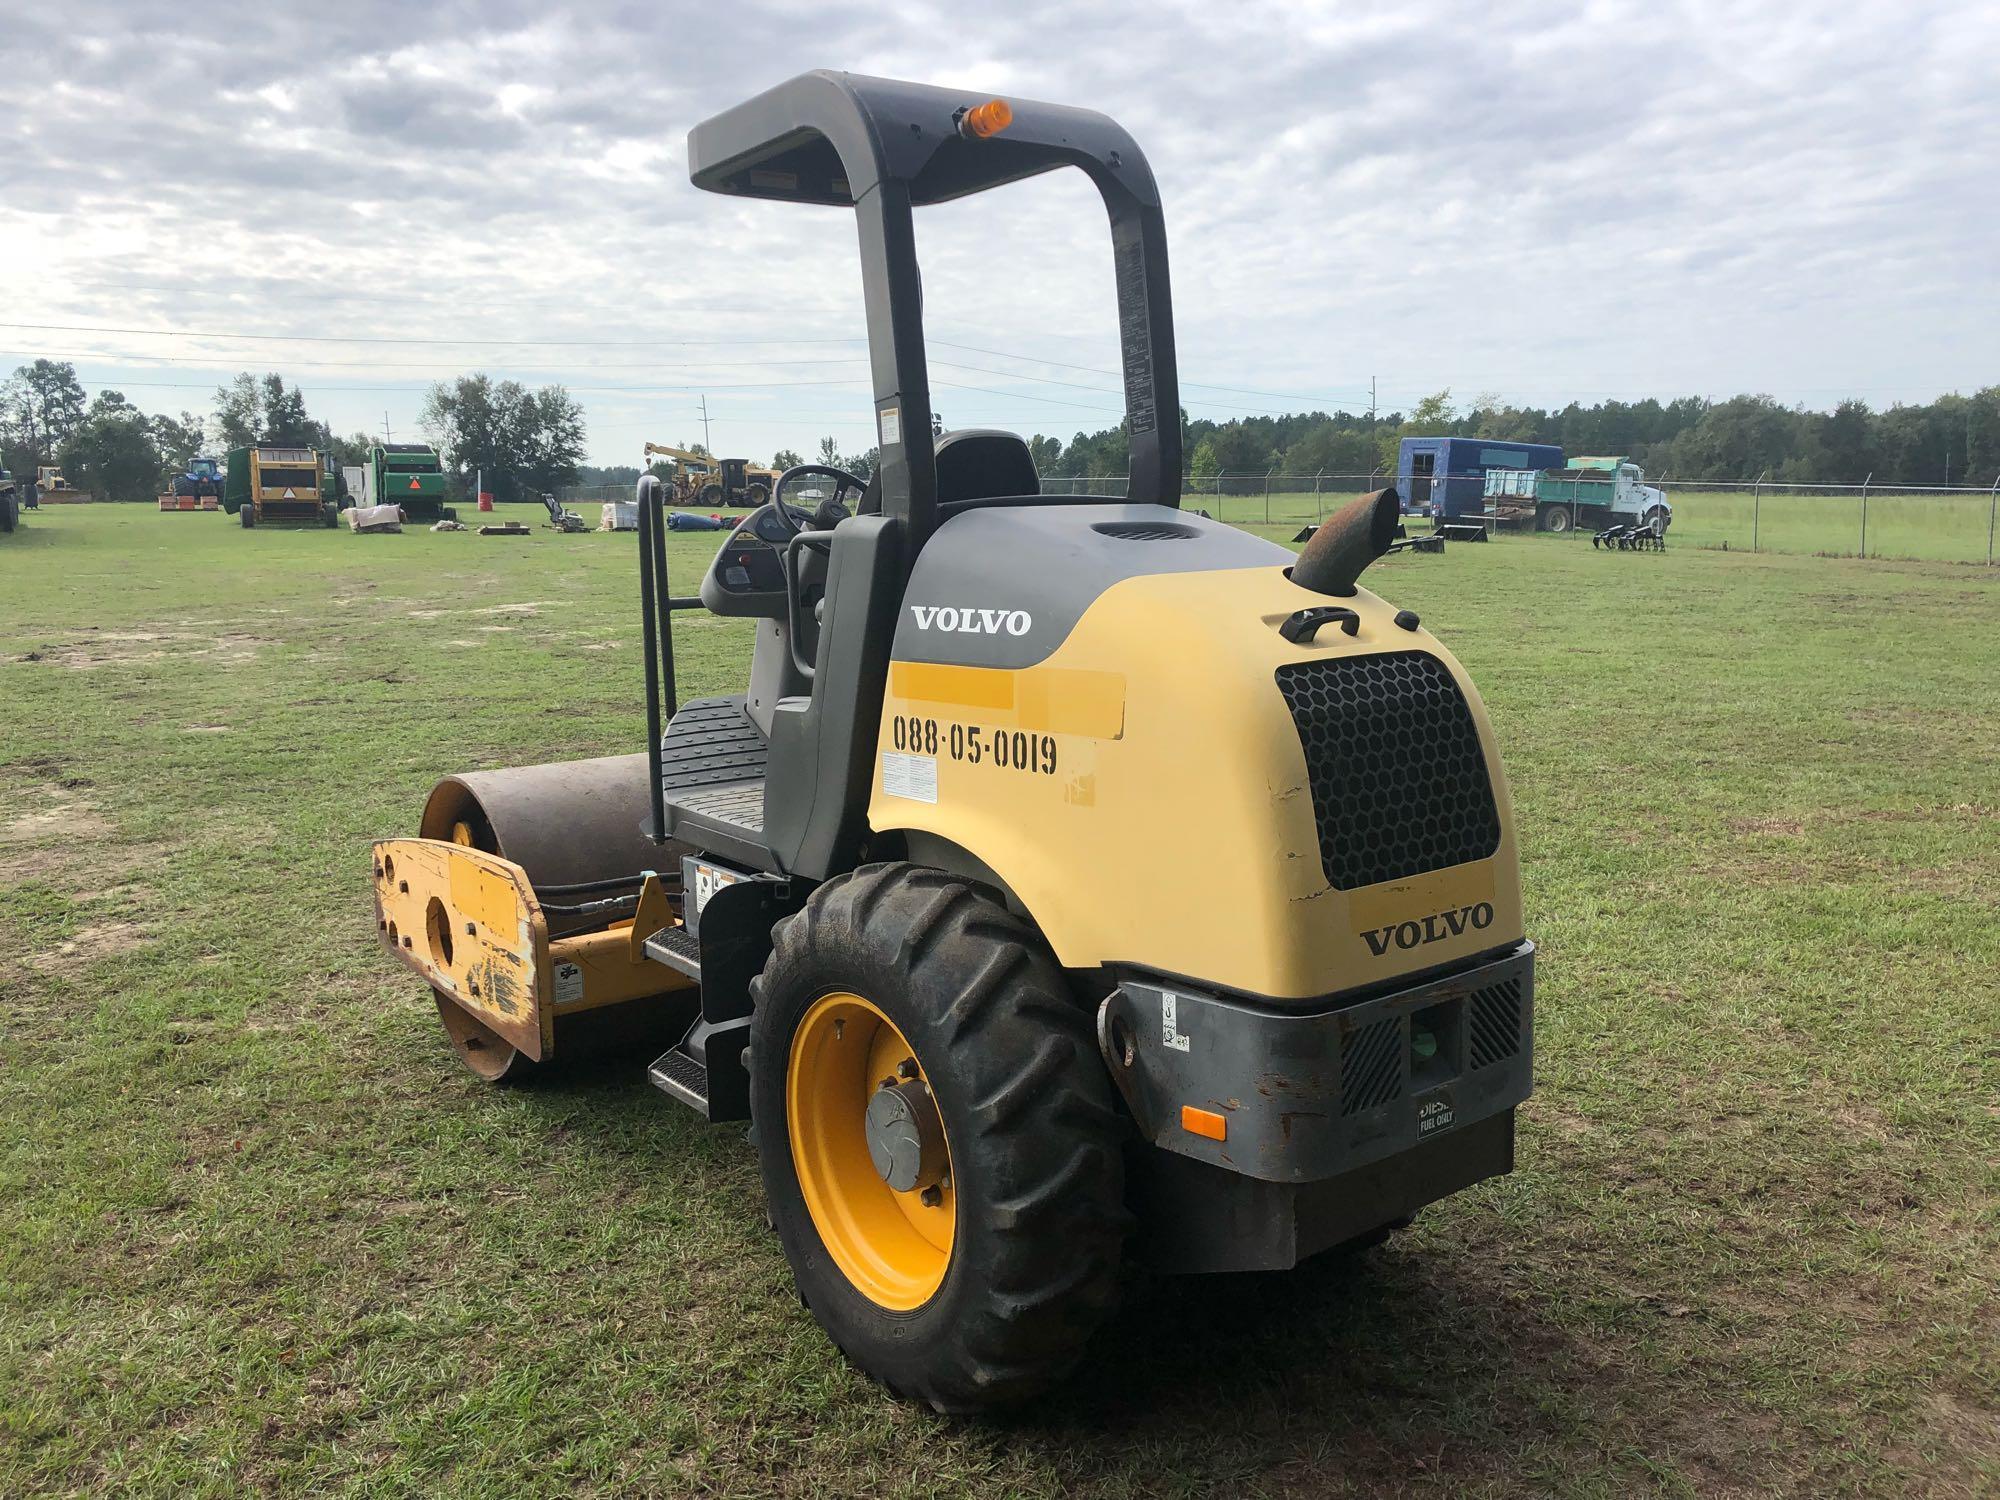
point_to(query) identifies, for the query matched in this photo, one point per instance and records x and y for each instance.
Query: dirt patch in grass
(88, 945)
(74, 870)
(53, 812)
(1788, 827)
(135, 647)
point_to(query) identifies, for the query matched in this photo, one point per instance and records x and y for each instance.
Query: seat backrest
(981, 463)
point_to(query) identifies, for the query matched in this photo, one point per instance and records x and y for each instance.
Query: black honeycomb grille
(1493, 1030)
(1399, 785)
(1371, 1065)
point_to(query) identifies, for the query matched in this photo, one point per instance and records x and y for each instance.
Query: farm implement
(1640, 536)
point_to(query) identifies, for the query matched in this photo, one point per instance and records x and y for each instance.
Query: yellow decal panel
(1049, 700)
(1152, 802)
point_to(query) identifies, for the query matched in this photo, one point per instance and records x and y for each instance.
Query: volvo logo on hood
(969, 621)
(1434, 928)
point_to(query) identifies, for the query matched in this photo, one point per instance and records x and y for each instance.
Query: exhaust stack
(1352, 538)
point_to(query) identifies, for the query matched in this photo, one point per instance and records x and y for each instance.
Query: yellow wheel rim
(894, 1247)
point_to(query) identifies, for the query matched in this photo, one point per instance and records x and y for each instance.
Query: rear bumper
(290, 512)
(1305, 1096)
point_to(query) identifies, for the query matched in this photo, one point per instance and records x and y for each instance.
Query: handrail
(656, 607)
(821, 541)
(650, 636)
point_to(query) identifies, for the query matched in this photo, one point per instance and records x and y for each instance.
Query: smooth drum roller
(528, 923)
(572, 823)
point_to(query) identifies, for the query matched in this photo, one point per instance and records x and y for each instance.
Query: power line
(455, 366)
(313, 338)
(692, 387)
(328, 338)
(1202, 385)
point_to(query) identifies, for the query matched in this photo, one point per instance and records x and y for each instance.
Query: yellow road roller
(1073, 882)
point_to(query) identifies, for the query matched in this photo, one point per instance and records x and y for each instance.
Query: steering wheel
(787, 518)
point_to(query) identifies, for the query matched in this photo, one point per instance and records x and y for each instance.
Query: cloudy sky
(1538, 201)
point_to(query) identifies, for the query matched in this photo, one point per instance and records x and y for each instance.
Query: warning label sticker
(569, 984)
(892, 426)
(911, 777)
(1435, 1114)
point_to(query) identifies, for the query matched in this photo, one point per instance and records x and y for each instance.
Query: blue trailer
(1445, 477)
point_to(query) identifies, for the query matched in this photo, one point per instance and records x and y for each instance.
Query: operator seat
(975, 463)
(981, 463)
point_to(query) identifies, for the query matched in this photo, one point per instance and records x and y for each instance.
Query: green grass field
(1927, 528)
(258, 1232)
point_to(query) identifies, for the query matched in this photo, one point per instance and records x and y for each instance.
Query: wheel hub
(906, 1136)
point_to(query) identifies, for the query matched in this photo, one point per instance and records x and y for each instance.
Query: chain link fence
(1928, 522)
(595, 494)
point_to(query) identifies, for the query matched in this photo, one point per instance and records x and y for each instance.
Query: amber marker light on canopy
(1204, 1122)
(984, 120)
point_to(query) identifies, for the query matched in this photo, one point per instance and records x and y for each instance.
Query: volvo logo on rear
(951, 618)
(1434, 928)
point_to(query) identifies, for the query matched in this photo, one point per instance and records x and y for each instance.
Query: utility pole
(704, 427)
(1371, 399)
(387, 435)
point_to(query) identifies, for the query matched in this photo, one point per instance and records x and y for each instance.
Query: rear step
(678, 949)
(674, 1072)
(685, 1070)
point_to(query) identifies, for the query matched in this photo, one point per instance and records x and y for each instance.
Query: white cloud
(1546, 201)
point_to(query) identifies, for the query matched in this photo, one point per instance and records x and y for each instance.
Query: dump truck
(406, 474)
(1442, 477)
(272, 486)
(1588, 494)
(906, 898)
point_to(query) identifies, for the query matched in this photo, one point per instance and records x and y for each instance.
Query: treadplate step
(674, 1072)
(677, 948)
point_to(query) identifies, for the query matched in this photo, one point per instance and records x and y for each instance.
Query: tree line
(1952, 440)
(525, 442)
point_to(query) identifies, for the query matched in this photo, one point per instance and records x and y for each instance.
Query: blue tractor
(203, 477)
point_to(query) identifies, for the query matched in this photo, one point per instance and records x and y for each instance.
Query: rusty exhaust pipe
(1352, 538)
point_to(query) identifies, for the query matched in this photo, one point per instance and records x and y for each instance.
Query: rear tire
(1556, 519)
(247, 514)
(1030, 1133)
